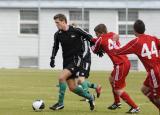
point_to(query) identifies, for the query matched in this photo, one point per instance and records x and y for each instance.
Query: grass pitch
(20, 87)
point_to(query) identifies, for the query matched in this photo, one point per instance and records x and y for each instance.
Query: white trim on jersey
(87, 65)
(79, 61)
(117, 73)
(85, 48)
(154, 80)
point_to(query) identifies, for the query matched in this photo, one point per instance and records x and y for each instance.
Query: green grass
(19, 87)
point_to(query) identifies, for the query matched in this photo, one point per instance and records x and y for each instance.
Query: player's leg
(83, 76)
(65, 74)
(149, 91)
(69, 70)
(119, 84)
(155, 85)
(81, 92)
(97, 87)
(157, 101)
(124, 70)
(125, 97)
(116, 104)
(83, 82)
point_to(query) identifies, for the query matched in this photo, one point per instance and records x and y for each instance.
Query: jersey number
(145, 50)
(112, 44)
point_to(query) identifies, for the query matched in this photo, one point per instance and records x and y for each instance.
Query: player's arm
(55, 46)
(54, 50)
(97, 49)
(85, 35)
(127, 49)
(97, 45)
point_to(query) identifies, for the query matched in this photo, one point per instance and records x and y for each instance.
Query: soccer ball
(38, 105)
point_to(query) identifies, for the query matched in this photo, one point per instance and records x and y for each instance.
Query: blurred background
(27, 28)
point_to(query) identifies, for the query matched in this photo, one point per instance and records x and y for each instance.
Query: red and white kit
(146, 47)
(120, 62)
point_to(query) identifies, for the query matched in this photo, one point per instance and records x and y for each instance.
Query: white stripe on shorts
(117, 73)
(77, 74)
(155, 84)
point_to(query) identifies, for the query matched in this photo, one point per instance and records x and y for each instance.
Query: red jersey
(146, 48)
(105, 41)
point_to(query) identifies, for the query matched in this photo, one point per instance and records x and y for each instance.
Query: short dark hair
(101, 28)
(139, 26)
(61, 17)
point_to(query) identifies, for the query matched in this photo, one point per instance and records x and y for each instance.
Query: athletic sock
(80, 91)
(91, 85)
(116, 97)
(85, 85)
(62, 89)
(128, 100)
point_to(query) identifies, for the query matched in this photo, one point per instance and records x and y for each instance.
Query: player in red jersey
(146, 48)
(106, 42)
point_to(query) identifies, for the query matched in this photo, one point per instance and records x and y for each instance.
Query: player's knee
(119, 92)
(142, 90)
(71, 87)
(110, 79)
(61, 79)
(80, 80)
(157, 100)
(115, 91)
(145, 90)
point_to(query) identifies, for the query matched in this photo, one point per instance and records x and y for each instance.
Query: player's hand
(92, 43)
(100, 53)
(52, 63)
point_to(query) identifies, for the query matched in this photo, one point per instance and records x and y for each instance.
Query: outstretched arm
(85, 35)
(97, 45)
(127, 49)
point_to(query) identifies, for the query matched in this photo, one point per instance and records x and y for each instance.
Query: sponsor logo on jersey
(73, 36)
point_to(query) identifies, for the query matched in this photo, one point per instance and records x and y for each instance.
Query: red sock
(128, 100)
(116, 97)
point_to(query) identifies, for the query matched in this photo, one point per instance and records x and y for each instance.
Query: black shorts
(73, 65)
(84, 69)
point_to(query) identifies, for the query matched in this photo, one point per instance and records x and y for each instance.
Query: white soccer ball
(38, 105)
